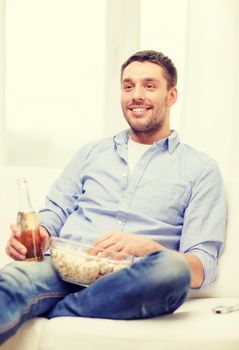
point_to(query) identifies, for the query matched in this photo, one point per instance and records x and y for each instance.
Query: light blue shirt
(174, 196)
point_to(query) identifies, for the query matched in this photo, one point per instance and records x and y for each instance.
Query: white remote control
(225, 309)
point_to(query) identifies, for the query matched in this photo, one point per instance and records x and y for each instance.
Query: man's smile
(139, 110)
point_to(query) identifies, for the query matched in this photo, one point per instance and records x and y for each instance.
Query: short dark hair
(159, 58)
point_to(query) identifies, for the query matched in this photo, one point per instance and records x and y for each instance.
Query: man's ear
(172, 96)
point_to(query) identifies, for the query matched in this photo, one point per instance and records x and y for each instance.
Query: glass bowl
(83, 264)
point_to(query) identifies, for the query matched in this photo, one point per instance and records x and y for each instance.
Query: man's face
(145, 97)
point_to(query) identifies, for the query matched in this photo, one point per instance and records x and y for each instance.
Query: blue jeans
(152, 286)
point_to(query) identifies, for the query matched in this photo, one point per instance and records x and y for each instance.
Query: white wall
(210, 109)
(63, 61)
(202, 38)
(2, 84)
(55, 53)
(163, 28)
(122, 40)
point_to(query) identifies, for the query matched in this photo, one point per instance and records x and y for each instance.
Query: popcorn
(84, 269)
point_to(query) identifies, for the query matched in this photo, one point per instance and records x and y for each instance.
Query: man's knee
(173, 266)
(166, 282)
(165, 270)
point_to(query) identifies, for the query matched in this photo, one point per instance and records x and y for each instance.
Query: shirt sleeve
(62, 198)
(204, 225)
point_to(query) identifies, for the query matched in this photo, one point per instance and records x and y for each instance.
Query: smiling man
(146, 100)
(141, 192)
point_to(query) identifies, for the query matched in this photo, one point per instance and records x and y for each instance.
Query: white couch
(192, 326)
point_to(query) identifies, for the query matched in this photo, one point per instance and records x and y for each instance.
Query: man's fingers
(45, 238)
(15, 249)
(16, 232)
(107, 244)
(106, 247)
(15, 254)
(18, 246)
(102, 239)
(94, 250)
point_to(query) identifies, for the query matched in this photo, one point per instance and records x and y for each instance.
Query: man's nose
(138, 93)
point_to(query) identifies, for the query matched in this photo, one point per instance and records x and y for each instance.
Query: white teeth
(138, 110)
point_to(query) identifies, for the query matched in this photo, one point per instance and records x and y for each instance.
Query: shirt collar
(122, 138)
(170, 142)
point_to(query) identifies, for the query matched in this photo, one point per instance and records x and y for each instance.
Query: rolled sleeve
(207, 252)
(204, 221)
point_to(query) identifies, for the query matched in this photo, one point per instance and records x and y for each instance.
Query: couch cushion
(27, 337)
(192, 326)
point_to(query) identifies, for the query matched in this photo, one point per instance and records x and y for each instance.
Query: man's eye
(150, 86)
(128, 87)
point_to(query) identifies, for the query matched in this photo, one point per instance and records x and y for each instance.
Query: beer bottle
(27, 221)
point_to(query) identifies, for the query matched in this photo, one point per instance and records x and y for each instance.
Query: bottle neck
(24, 199)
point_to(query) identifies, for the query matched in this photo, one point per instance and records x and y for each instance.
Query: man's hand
(16, 250)
(136, 245)
(127, 243)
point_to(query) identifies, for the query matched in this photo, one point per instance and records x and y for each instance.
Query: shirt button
(124, 174)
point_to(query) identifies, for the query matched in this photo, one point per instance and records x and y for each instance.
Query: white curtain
(203, 38)
(54, 95)
(62, 73)
(2, 86)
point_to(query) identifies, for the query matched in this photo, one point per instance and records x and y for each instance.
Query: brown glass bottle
(27, 221)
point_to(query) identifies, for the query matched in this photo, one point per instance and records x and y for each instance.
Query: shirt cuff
(209, 264)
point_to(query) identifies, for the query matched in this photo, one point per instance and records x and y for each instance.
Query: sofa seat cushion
(27, 337)
(192, 326)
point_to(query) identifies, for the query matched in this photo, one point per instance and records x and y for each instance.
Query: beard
(149, 126)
